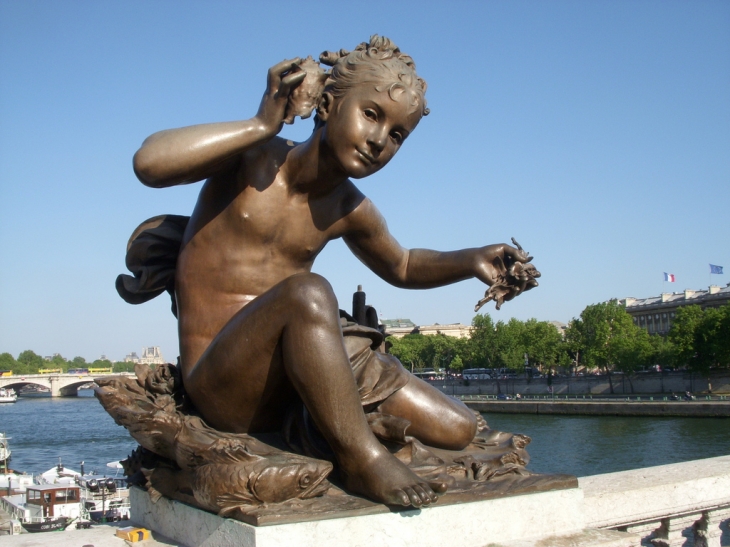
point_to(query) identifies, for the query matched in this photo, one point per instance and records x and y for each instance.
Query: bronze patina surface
(265, 353)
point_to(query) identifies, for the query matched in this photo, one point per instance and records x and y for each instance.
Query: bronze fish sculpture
(216, 471)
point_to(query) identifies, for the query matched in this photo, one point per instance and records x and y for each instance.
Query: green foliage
(411, 350)
(701, 338)
(121, 366)
(417, 351)
(544, 345)
(29, 362)
(606, 337)
(682, 334)
(30, 359)
(457, 364)
(481, 343)
(7, 362)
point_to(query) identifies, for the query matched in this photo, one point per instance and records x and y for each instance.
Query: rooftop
(687, 296)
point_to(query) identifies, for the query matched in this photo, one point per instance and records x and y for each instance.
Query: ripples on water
(591, 445)
(42, 429)
(78, 428)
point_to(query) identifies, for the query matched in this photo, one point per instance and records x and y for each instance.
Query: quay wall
(718, 382)
(714, 409)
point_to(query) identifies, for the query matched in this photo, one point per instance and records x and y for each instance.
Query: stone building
(398, 328)
(150, 356)
(655, 314)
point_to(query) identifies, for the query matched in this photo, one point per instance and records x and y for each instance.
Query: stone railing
(678, 505)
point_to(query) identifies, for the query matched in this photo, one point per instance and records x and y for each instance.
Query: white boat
(44, 507)
(59, 475)
(10, 480)
(4, 450)
(103, 497)
(8, 395)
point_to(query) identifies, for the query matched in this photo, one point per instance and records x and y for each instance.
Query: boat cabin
(51, 499)
(39, 503)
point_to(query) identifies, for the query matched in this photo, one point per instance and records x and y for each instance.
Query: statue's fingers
(290, 81)
(278, 70)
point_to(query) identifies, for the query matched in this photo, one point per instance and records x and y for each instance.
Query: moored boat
(4, 450)
(45, 507)
(103, 497)
(59, 475)
(11, 481)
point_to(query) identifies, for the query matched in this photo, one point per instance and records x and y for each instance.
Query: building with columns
(655, 314)
(398, 328)
(150, 356)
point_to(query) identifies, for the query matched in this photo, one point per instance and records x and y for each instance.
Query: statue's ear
(324, 108)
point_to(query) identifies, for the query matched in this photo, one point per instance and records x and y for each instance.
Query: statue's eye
(370, 114)
(305, 480)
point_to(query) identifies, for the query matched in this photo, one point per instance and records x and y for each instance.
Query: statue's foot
(385, 479)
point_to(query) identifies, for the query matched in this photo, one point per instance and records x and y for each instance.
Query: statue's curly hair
(379, 61)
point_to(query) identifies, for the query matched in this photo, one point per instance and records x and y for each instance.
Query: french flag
(669, 277)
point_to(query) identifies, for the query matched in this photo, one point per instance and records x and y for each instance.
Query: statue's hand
(282, 79)
(507, 270)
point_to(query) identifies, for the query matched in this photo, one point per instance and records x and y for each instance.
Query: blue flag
(715, 269)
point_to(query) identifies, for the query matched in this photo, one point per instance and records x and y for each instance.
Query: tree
(480, 349)
(59, 362)
(101, 363)
(662, 351)
(509, 344)
(457, 364)
(544, 344)
(410, 350)
(682, 334)
(7, 362)
(607, 334)
(123, 366)
(29, 362)
(712, 339)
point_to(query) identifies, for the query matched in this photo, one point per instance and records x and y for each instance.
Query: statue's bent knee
(312, 296)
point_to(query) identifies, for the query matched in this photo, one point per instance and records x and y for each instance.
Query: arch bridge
(61, 385)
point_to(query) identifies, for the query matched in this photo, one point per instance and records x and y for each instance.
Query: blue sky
(595, 133)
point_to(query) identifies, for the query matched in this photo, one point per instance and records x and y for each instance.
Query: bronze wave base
(259, 480)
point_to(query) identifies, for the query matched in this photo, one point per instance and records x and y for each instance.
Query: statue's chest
(287, 225)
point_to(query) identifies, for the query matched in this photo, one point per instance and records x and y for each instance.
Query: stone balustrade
(678, 505)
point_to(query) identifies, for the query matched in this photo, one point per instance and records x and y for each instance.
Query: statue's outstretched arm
(190, 154)
(370, 240)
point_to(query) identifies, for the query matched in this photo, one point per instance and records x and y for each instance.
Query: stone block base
(474, 524)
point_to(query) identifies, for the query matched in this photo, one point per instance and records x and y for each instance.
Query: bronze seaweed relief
(263, 346)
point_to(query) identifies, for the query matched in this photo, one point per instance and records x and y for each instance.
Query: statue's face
(366, 127)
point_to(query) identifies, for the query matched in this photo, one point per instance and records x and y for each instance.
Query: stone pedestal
(474, 524)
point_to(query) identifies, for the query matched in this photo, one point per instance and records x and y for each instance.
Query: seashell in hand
(304, 98)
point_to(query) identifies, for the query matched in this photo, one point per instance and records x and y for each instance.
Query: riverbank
(567, 407)
(645, 383)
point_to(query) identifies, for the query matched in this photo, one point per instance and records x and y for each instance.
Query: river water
(42, 429)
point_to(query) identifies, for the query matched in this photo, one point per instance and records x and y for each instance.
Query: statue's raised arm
(191, 154)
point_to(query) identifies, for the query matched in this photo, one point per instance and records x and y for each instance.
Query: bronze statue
(263, 346)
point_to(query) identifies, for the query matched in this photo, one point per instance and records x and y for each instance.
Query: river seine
(43, 429)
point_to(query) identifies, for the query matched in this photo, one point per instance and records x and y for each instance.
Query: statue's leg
(436, 419)
(290, 337)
